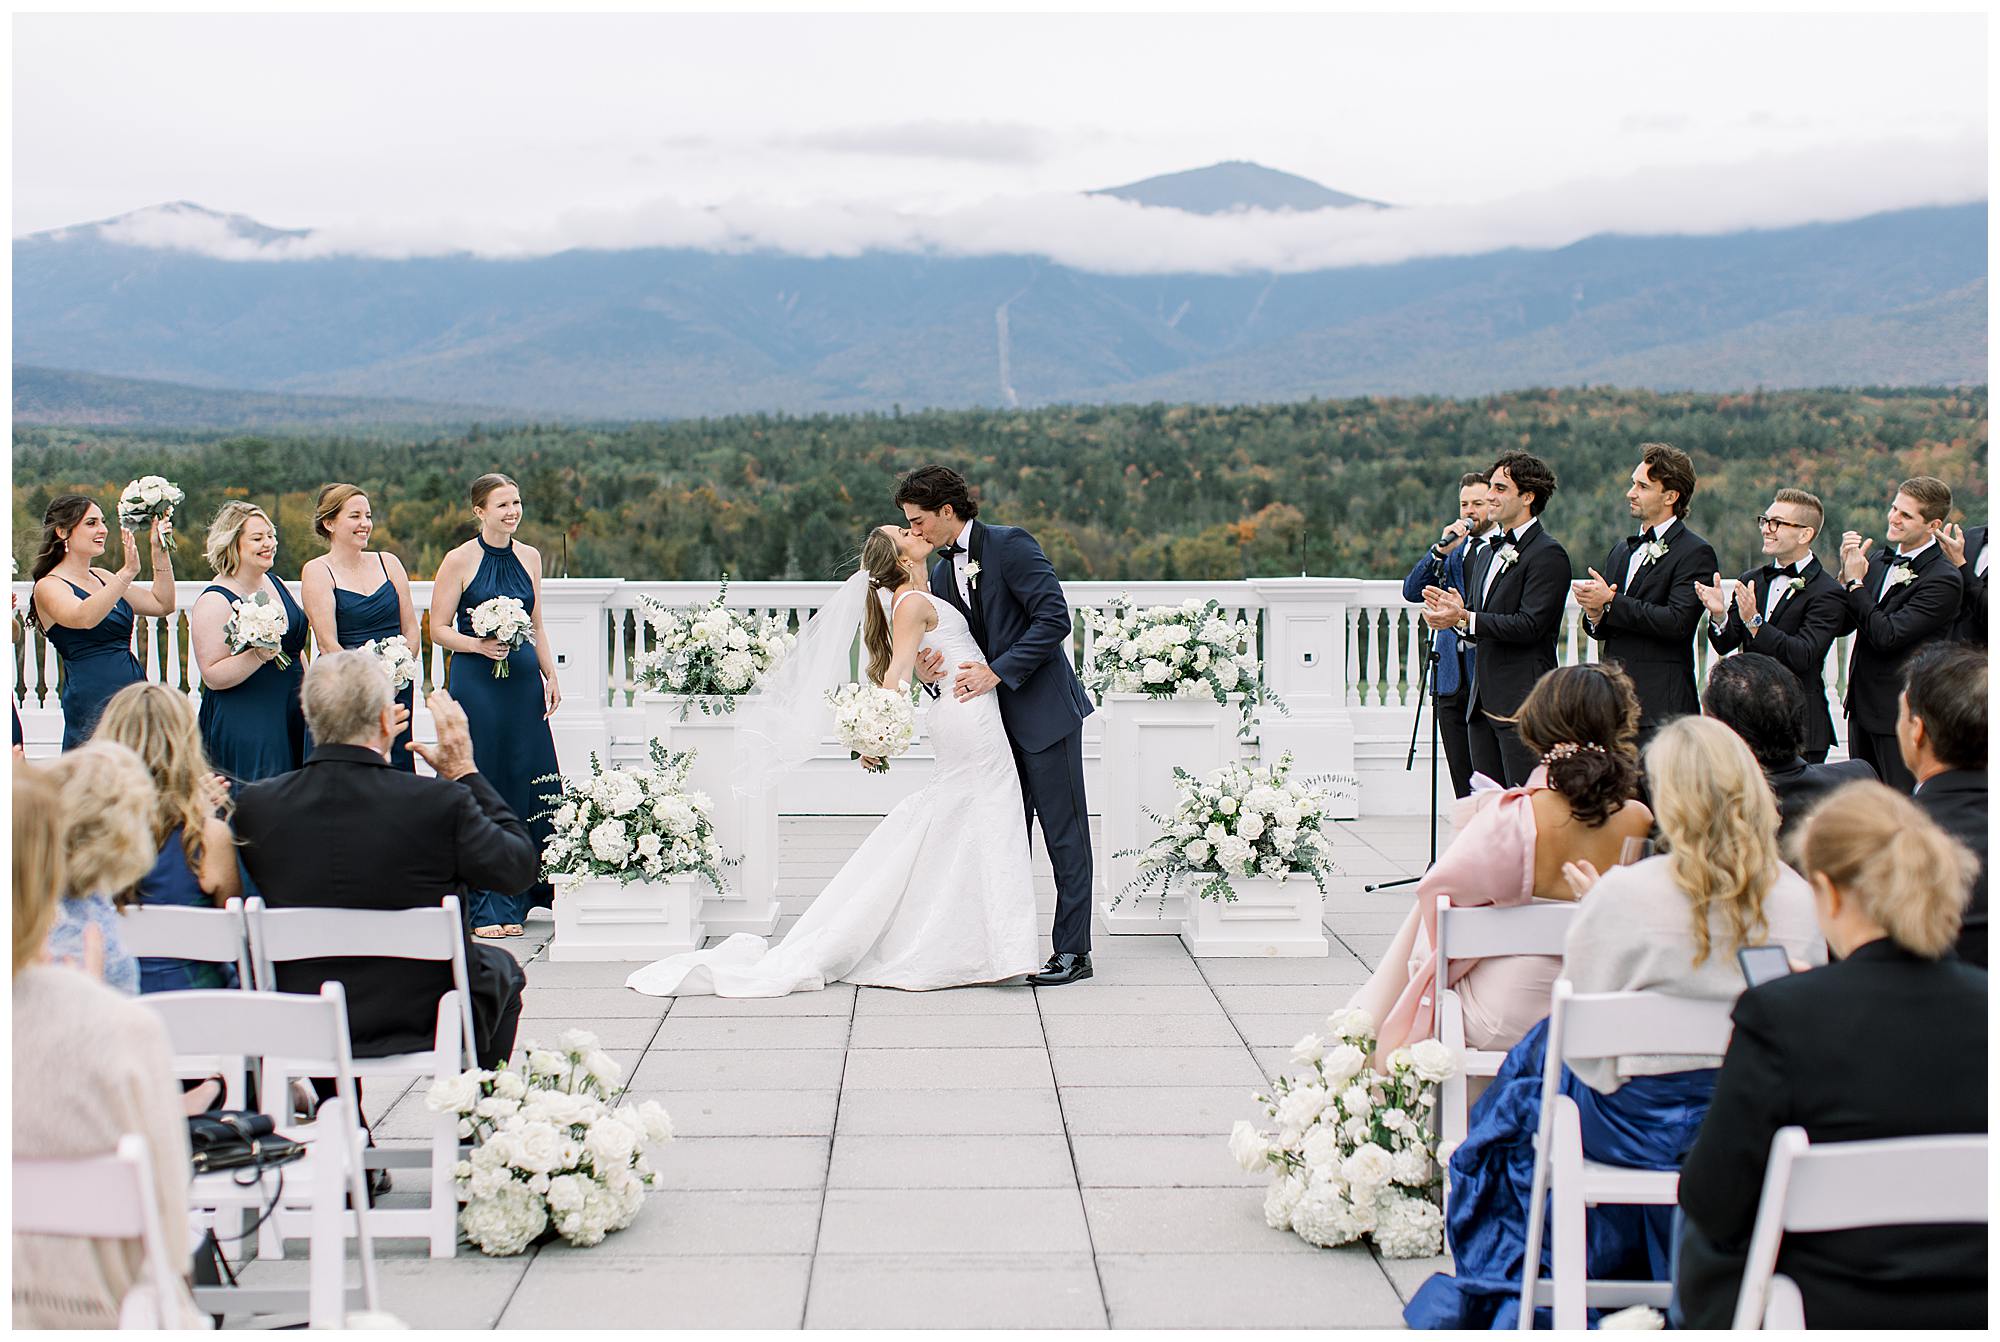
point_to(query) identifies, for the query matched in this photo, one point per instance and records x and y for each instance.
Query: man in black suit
(1967, 549)
(1645, 613)
(1443, 565)
(1941, 727)
(1905, 595)
(347, 831)
(1762, 702)
(1517, 586)
(1790, 609)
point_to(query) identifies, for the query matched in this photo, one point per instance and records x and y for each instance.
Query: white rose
(1351, 1023)
(1355, 1100)
(1250, 825)
(1321, 1149)
(1355, 1130)
(1198, 851)
(453, 1095)
(1309, 1049)
(1300, 1106)
(539, 1148)
(1228, 806)
(1342, 1063)
(1433, 1060)
(649, 846)
(610, 1143)
(1248, 1147)
(1369, 1167)
(508, 1083)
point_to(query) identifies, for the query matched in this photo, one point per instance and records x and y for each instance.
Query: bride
(940, 894)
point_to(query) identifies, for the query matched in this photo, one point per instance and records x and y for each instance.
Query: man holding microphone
(1443, 565)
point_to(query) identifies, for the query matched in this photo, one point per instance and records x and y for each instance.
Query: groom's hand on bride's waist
(930, 670)
(973, 680)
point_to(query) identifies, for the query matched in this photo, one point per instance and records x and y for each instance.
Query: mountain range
(1892, 299)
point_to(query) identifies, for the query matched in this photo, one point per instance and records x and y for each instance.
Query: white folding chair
(288, 1034)
(104, 1197)
(1895, 1181)
(1600, 1025)
(436, 934)
(210, 936)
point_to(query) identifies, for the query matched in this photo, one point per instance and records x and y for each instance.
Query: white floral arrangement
(258, 622)
(553, 1152)
(504, 618)
(632, 823)
(1352, 1154)
(148, 499)
(710, 653)
(1189, 651)
(1240, 820)
(396, 658)
(873, 723)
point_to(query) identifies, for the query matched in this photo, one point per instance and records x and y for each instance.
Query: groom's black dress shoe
(1063, 967)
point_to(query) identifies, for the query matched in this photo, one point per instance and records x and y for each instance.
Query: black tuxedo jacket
(1970, 627)
(1889, 632)
(1798, 634)
(347, 831)
(1518, 621)
(1649, 626)
(1021, 621)
(1957, 801)
(1880, 1044)
(1799, 786)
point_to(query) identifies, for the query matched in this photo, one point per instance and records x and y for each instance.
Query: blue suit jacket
(1454, 671)
(1021, 620)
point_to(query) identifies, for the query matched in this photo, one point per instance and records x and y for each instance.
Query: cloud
(1104, 234)
(1655, 123)
(967, 141)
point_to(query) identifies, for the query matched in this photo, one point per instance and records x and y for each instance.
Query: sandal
(490, 932)
(514, 930)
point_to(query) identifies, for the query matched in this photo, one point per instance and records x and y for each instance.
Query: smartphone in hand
(1761, 964)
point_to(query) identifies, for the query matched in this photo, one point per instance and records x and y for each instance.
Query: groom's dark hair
(932, 487)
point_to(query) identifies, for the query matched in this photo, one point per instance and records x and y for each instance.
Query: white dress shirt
(958, 563)
(1883, 590)
(1493, 568)
(1632, 565)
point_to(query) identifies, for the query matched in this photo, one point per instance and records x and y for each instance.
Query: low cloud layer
(961, 141)
(1102, 234)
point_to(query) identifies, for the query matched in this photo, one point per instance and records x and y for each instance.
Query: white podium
(1144, 739)
(1268, 918)
(746, 824)
(598, 918)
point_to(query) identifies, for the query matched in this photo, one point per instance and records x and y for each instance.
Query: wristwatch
(1755, 622)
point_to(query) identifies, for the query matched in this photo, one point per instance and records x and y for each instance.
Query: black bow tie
(1776, 571)
(1642, 538)
(1902, 561)
(952, 549)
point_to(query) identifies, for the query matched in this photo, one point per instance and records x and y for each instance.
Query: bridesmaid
(87, 614)
(353, 596)
(508, 716)
(251, 723)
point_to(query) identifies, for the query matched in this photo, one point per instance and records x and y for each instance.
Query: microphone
(1459, 529)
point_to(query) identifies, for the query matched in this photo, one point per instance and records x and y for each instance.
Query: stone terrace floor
(1003, 1157)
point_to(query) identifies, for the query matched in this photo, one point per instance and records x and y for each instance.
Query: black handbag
(235, 1139)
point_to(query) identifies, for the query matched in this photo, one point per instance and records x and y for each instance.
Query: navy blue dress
(511, 743)
(97, 663)
(359, 619)
(256, 728)
(172, 881)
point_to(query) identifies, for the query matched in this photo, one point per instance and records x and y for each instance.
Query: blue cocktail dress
(256, 728)
(97, 663)
(360, 619)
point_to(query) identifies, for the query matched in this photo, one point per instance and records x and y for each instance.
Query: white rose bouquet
(258, 622)
(632, 824)
(1175, 652)
(396, 658)
(148, 499)
(553, 1151)
(872, 722)
(1240, 821)
(709, 653)
(1353, 1153)
(504, 618)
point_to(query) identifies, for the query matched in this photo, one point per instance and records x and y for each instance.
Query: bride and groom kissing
(941, 893)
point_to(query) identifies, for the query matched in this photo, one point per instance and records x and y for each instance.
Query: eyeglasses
(1773, 523)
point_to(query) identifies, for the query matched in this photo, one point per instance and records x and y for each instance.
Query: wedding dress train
(939, 895)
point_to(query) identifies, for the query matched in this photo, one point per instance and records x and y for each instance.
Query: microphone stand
(1425, 676)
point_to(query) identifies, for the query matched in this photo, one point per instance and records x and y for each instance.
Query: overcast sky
(515, 134)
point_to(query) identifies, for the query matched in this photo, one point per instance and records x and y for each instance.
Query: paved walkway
(981, 1157)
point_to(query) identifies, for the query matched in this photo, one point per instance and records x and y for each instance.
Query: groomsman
(1790, 609)
(1902, 597)
(1967, 549)
(1645, 613)
(1516, 588)
(1443, 564)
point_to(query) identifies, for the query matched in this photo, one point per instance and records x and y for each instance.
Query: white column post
(573, 616)
(1305, 663)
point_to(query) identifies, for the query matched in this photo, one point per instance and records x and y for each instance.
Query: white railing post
(573, 615)
(1306, 658)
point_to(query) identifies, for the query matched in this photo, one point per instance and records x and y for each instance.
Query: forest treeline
(1132, 492)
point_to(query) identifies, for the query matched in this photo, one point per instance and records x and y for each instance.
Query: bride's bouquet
(552, 1150)
(504, 618)
(873, 723)
(396, 658)
(148, 499)
(1239, 821)
(709, 653)
(632, 824)
(1353, 1153)
(1175, 652)
(258, 622)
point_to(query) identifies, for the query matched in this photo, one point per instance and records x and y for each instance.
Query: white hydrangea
(504, 1221)
(1279, 1200)
(1408, 1227)
(1412, 1166)
(610, 843)
(1324, 1217)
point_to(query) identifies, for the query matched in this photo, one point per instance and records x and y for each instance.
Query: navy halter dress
(97, 663)
(256, 728)
(360, 619)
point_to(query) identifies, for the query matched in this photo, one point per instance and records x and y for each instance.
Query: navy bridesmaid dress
(256, 728)
(97, 663)
(360, 619)
(511, 743)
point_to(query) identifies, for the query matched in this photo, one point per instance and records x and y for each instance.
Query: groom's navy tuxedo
(1021, 621)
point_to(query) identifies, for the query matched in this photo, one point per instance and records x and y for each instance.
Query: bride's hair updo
(1584, 723)
(882, 561)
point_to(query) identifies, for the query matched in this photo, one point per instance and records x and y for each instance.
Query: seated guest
(196, 862)
(1888, 885)
(107, 813)
(1511, 846)
(89, 1068)
(350, 831)
(1671, 924)
(1941, 729)
(1762, 701)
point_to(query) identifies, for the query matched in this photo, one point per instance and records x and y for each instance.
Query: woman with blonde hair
(251, 724)
(355, 596)
(195, 865)
(107, 811)
(1889, 1041)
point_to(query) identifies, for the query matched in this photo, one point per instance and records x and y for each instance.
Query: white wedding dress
(940, 895)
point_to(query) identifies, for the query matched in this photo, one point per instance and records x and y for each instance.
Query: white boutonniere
(1784, 587)
(1651, 551)
(1897, 577)
(972, 575)
(1508, 554)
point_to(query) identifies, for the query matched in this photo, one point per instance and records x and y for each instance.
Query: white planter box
(746, 825)
(598, 918)
(1144, 739)
(1268, 918)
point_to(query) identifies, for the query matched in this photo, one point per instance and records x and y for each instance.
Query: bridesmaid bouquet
(873, 723)
(709, 653)
(504, 618)
(1353, 1153)
(631, 824)
(258, 622)
(1189, 651)
(148, 499)
(396, 658)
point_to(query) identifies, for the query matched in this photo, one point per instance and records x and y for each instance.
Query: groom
(1003, 583)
